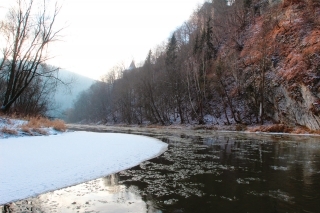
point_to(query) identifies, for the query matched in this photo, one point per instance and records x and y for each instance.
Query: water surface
(220, 172)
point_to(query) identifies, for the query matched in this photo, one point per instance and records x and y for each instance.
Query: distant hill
(66, 94)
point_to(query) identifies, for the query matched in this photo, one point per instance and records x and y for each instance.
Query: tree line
(203, 74)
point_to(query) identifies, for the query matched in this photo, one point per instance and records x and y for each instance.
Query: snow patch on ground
(12, 128)
(33, 165)
(11, 123)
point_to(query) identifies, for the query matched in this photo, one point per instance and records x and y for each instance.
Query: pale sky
(100, 34)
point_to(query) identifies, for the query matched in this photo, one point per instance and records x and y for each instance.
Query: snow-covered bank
(33, 165)
(33, 126)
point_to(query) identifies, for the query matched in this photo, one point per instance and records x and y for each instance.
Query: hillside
(284, 45)
(66, 95)
(246, 63)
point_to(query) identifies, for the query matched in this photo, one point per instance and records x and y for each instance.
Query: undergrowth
(33, 126)
(281, 128)
(9, 131)
(41, 122)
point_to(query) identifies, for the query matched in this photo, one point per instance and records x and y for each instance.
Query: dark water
(218, 173)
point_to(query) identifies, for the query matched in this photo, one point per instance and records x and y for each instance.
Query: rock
(302, 111)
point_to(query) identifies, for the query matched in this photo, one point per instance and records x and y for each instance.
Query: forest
(239, 62)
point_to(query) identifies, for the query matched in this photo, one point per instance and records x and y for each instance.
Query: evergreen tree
(174, 76)
(148, 59)
(171, 57)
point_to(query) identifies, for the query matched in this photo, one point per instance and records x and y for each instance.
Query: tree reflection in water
(213, 173)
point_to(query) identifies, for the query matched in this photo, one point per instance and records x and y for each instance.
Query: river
(202, 171)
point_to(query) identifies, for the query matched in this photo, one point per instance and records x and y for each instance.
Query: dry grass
(8, 131)
(241, 127)
(40, 131)
(37, 122)
(315, 131)
(283, 129)
(26, 130)
(304, 130)
(291, 37)
(299, 130)
(41, 122)
(33, 126)
(271, 128)
(59, 125)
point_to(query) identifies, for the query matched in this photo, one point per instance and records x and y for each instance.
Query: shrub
(315, 131)
(241, 127)
(40, 131)
(272, 128)
(41, 122)
(26, 130)
(59, 125)
(9, 131)
(277, 128)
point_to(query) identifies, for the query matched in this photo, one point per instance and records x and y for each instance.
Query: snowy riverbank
(34, 165)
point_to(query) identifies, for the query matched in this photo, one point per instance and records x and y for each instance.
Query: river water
(211, 172)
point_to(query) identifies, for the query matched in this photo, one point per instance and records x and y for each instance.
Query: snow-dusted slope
(33, 165)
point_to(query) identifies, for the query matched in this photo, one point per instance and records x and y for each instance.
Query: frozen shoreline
(187, 130)
(34, 165)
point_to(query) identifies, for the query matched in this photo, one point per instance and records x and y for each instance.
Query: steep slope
(286, 40)
(250, 62)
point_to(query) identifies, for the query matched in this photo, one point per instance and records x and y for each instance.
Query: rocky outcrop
(285, 39)
(298, 106)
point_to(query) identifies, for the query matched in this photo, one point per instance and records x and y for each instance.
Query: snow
(11, 123)
(33, 165)
(15, 125)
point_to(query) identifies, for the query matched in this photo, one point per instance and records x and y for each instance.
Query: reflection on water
(101, 195)
(220, 173)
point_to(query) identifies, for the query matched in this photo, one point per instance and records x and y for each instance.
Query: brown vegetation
(26, 130)
(271, 128)
(9, 131)
(40, 131)
(34, 126)
(41, 122)
(281, 128)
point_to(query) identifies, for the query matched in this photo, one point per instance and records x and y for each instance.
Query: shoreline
(68, 159)
(179, 133)
(187, 130)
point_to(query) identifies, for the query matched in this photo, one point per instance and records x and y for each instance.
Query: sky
(101, 34)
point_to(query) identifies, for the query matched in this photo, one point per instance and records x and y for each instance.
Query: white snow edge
(34, 165)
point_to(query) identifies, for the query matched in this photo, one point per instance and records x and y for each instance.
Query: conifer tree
(174, 75)
(171, 54)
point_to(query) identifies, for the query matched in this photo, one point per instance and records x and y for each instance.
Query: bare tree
(27, 33)
(37, 98)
